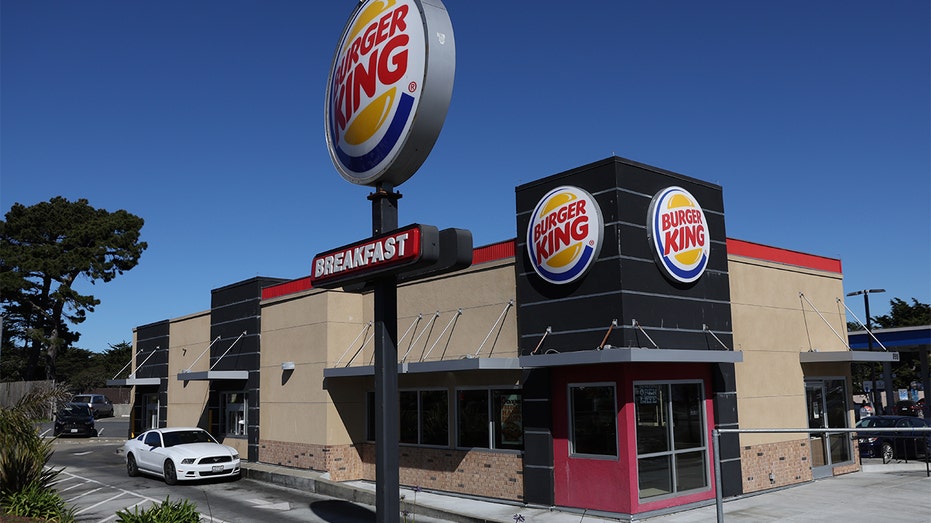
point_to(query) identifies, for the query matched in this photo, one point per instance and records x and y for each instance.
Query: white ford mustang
(179, 454)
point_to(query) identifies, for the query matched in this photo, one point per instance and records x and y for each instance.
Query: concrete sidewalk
(895, 492)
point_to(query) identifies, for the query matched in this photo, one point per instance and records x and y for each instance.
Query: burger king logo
(678, 232)
(565, 234)
(389, 89)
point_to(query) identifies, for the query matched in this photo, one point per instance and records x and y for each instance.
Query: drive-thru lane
(95, 484)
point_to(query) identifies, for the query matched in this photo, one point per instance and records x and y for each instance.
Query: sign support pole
(387, 405)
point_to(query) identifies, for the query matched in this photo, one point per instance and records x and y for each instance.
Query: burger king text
(566, 225)
(683, 229)
(383, 43)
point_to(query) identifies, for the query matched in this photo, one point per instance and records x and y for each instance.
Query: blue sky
(206, 119)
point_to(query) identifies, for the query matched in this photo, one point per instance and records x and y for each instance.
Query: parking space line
(143, 498)
(79, 496)
(95, 505)
(138, 495)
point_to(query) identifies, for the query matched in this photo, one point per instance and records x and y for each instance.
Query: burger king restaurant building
(583, 364)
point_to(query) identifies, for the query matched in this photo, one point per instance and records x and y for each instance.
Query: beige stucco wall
(310, 329)
(319, 329)
(189, 337)
(773, 324)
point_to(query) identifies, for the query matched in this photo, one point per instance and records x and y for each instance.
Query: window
(593, 420)
(235, 413)
(672, 454)
(473, 419)
(424, 417)
(153, 439)
(489, 418)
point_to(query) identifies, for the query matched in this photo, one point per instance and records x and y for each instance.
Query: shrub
(168, 512)
(23, 453)
(36, 501)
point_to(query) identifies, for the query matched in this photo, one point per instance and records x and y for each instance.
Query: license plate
(217, 468)
(74, 430)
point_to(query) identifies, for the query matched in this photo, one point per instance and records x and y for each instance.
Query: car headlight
(188, 461)
(235, 456)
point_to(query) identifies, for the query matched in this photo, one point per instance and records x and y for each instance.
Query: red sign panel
(366, 259)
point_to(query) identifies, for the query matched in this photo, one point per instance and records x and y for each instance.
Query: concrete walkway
(895, 492)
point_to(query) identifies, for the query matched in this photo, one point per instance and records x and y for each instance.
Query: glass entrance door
(151, 411)
(827, 409)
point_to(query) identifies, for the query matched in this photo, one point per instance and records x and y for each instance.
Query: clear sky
(206, 119)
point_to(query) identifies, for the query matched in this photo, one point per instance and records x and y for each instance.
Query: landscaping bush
(23, 453)
(168, 512)
(36, 501)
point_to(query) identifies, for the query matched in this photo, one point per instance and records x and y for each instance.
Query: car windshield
(875, 423)
(81, 399)
(184, 437)
(75, 410)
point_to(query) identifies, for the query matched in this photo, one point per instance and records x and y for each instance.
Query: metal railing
(716, 446)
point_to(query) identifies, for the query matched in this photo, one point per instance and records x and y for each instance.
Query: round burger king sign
(565, 234)
(389, 89)
(678, 231)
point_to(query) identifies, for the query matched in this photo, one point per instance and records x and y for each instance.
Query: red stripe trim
(493, 252)
(484, 254)
(288, 287)
(775, 254)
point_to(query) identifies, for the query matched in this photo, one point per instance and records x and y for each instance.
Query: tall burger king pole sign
(386, 100)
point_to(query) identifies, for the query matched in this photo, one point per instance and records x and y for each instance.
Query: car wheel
(887, 452)
(131, 468)
(171, 475)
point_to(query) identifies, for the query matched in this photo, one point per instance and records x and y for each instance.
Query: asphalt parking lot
(96, 484)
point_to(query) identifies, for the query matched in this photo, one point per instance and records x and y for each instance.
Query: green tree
(44, 250)
(902, 314)
(84, 370)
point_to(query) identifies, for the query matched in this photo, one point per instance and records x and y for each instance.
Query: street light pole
(877, 399)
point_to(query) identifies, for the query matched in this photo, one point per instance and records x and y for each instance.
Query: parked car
(176, 454)
(99, 404)
(74, 419)
(907, 444)
(907, 408)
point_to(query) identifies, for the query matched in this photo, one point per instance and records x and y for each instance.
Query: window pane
(434, 418)
(686, 416)
(235, 419)
(690, 471)
(652, 425)
(473, 418)
(408, 419)
(509, 419)
(655, 476)
(594, 420)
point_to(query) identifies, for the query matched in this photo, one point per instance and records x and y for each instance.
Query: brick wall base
(789, 462)
(343, 462)
(473, 472)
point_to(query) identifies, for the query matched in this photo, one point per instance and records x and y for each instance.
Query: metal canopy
(630, 355)
(129, 382)
(847, 356)
(209, 375)
(460, 365)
